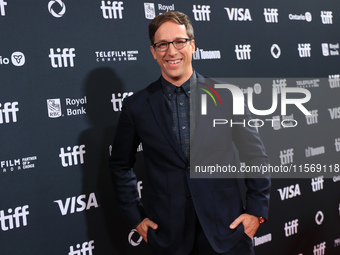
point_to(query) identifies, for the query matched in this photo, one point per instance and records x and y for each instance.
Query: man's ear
(192, 45)
(153, 51)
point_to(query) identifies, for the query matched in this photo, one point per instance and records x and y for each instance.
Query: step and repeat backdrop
(65, 69)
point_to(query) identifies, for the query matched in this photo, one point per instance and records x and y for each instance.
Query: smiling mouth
(173, 62)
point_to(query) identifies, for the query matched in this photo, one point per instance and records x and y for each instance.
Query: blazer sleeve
(252, 152)
(122, 160)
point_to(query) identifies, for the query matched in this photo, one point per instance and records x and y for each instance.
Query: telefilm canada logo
(239, 109)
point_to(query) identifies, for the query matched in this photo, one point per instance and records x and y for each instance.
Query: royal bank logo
(330, 49)
(61, 8)
(54, 108)
(74, 107)
(2, 7)
(149, 10)
(17, 59)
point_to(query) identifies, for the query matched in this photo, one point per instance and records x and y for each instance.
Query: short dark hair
(177, 17)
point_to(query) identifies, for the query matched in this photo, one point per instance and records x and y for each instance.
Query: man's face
(176, 66)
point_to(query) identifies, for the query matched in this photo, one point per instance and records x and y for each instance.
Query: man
(185, 215)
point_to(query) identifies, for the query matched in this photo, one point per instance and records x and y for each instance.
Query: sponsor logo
(312, 118)
(304, 17)
(279, 84)
(8, 112)
(202, 54)
(319, 217)
(2, 7)
(77, 204)
(326, 17)
(329, 49)
(287, 121)
(311, 152)
(337, 179)
(319, 249)
(114, 55)
(262, 239)
(275, 50)
(134, 238)
(291, 227)
(17, 164)
(61, 8)
(290, 192)
(334, 113)
(308, 83)
(63, 58)
(72, 155)
(304, 50)
(76, 106)
(85, 249)
(201, 12)
(286, 156)
(337, 241)
(14, 218)
(17, 59)
(150, 11)
(238, 14)
(112, 9)
(243, 52)
(271, 15)
(117, 100)
(337, 144)
(334, 81)
(317, 183)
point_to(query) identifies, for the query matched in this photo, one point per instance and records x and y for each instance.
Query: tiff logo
(243, 52)
(86, 249)
(337, 144)
(70, 157)
(62, 59)
(77, 204)
(271, 15)
(286, 156)
(317, 183)
(2, 7)
(326, 17)
(334, 81)
(304, 50)
(117, 101)
(201, 13)
(312, 118)
(238, 14)
(13, 220)
(291, 228)
(113, 10)
(319, 249)
(9, 110)
(334, 112)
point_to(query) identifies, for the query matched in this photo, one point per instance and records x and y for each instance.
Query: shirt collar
(169, 89)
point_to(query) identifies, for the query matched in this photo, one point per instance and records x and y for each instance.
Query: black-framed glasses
(179, 43)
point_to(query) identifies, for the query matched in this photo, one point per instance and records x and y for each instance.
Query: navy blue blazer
(174, 198)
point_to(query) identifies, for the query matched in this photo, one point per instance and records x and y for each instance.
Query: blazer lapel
(156, 100)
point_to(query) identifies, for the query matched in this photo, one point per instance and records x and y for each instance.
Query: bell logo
(62, 8)
(77, 204)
